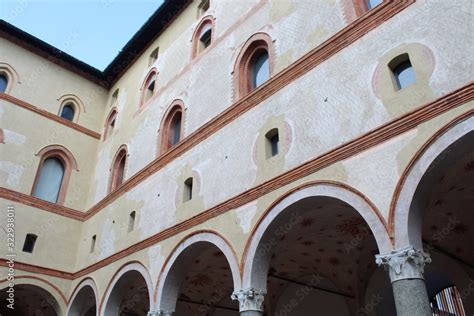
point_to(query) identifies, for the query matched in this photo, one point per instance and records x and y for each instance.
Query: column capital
(159, 313)
(404, 263)
(249, 299)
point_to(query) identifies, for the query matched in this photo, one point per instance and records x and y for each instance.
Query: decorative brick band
(41, 204)
(40, 270)
(49, 115)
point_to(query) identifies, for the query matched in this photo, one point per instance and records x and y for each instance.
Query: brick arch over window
(206, 24)
(148, 87)
(110, 123)
(171, 130)
(256, 45)
(75, 102)
(68, 163)
(11, 76)
(117, 170)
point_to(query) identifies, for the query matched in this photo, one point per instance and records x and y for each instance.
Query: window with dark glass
(272, 143)
(260, 69)
(30, 242)
(93, 240)
(131, 221)
(188, 189)
(68, 112)
(176, 129)
(403, 71)
(3, 82)
(153, 56)
(50, 179)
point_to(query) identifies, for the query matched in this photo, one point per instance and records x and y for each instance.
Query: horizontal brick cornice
(32, 201)
(49, 115)
(37, 269)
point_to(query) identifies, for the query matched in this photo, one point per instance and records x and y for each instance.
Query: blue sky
(93, 31)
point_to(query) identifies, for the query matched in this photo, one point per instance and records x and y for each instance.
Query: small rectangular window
(131, 221)
(153, 56)
(272, 143)
(94, 238)
(403, 71)
(188, 190)
(30, 242)
(203, 7)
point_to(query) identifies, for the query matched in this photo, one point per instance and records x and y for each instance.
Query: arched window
(202, 37)
(172, 126)
(54, 171)
(148, 88)
(118, 169)
(110, 123)
(3, 82)
(254, 64)
(403, 72)
(68, 112)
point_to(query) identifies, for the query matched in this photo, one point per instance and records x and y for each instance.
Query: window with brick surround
(171, 131)
(53, 173)
(254, 64)
(118, 169)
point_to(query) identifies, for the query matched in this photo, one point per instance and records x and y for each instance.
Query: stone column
(405, 267)
(250, 301)
(160, 313)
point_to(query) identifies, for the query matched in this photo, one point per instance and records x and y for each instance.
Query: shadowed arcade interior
(129, 297)
(200, 283)
(321, 255)
(30, 300)
(445, 198)
(84, 303)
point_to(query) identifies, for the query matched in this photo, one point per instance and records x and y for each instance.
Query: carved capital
(404, 263)
(249, 299)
